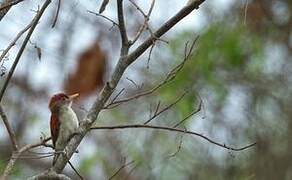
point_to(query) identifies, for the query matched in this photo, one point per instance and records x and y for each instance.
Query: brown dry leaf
(255, 15)
(89, 72)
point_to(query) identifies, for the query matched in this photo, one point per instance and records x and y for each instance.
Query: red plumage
(54, 122)
(54, 125)
(64, 122)
(56, 98)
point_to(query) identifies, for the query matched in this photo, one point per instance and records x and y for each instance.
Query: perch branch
(123, 62)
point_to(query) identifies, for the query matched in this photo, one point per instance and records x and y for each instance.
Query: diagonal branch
(124, 61)
(157, 113)
(57, 14)
(190, 115)
(9, 129)
(34, 24)
(5, 51)
(15, 155)
(6, 5)
(163, 29)
(169, 77)
(119, 170)
(105, 17)
(146, 19)
(122, 26)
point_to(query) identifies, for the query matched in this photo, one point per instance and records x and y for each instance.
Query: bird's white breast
(68, 126)
(69, 119)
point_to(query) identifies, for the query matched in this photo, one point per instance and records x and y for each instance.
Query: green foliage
(88, 162)
(221, 53)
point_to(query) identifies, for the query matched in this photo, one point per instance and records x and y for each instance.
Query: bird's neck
(61, 109)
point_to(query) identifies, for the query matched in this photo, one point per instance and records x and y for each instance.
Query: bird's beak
(73, 96)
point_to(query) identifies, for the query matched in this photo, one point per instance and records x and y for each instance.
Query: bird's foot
(65, 154)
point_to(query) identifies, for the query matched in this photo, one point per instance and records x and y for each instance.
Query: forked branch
(124, 61)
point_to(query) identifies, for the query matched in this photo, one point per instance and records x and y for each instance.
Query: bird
(63, 122)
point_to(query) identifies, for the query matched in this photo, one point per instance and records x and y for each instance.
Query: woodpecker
(63, 122)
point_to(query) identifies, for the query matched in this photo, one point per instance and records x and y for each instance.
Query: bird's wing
(54, 125)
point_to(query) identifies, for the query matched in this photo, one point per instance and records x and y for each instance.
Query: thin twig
(34, 24)
(57, 14)
(163, 29)
(178, 147)
(133, 82)
(9, 129)
(75, 170)
(131, 171)
(133, 126)
(190, 115)
(169, 77)
(100, 15)
(123, 63)
(146, 19)
(157, 107)
(149, 56)
(31, 157)
(14, 41)
(122, 26)
(166, 108)
(122, 167)
(17, 154)
(103, 6)
(119, 93)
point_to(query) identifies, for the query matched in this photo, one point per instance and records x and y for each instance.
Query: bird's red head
(59, 98)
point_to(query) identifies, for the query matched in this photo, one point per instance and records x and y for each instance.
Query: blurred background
(241, 69)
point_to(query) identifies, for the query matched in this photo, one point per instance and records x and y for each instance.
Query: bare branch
(146, 19)
(9, 129)
(124, 61)
(122, 167)
(157, 108)
(122, 26)
(75, 170)
(149, 56)
(131, 171)
(34, 24)
(17, 154)
(119, 93)
(4, 8)
(190, 115)
(9, 3)
(14, 41)
(178, 147)
(103, 6)
(133, 82)
(135, 126)
(57, 14)
(164, 109)
(163, 29)
(100, 15)
(170, 76)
